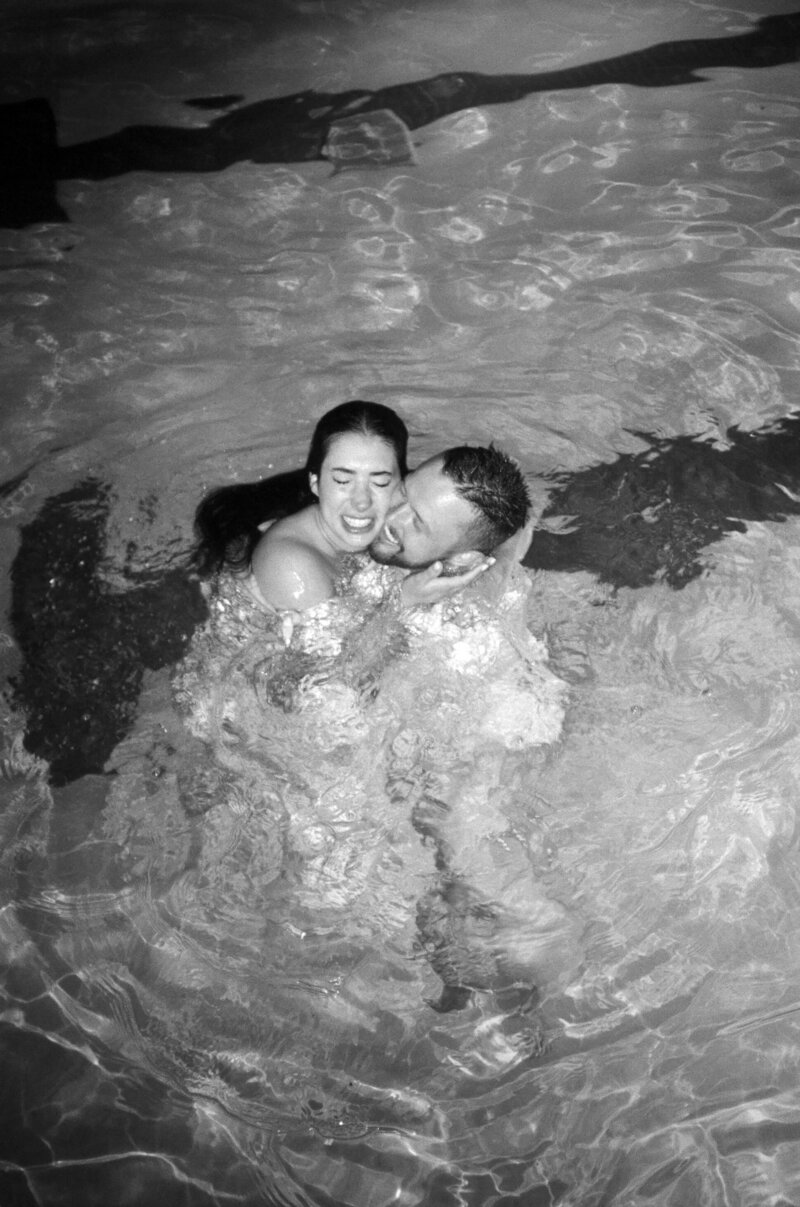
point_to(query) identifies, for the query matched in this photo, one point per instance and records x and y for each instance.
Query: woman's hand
(431, 585)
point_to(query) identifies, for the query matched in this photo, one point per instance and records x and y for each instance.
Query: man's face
(429, 520)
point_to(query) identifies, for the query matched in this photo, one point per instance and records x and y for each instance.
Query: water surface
(579, 275)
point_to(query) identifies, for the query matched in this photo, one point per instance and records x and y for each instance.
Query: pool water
(225, 965)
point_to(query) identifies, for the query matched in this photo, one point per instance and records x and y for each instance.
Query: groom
(449, 515)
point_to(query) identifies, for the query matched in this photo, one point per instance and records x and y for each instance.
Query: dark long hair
(227, 520)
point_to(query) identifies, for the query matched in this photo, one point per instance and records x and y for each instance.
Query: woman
(335, 507)
(278, 588)
(314, 518)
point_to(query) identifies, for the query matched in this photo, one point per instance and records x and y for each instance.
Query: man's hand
(430, 586)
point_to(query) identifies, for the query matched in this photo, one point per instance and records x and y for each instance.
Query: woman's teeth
(357, 525)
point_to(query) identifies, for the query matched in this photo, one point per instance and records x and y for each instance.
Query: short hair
(494, 485)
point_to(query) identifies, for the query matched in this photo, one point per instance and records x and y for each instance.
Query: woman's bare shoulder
(288, 571)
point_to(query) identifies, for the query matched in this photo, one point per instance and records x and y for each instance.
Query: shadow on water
(643, 518)
(647, 516)
(85, 646)
(298, 127)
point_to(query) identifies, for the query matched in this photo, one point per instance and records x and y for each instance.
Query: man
(450, 513)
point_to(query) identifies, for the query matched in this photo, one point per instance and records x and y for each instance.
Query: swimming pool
(587, 275)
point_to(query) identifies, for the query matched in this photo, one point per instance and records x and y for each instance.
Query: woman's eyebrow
(374, 473)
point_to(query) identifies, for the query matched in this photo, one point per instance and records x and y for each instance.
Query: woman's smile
(359, 525)
(355, 486)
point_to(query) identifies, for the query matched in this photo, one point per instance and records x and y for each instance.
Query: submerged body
(383, 737)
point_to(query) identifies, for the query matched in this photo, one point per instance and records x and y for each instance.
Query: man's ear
(313, 484)
(516, 546)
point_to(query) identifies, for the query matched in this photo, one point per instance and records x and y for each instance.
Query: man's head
(463, 499)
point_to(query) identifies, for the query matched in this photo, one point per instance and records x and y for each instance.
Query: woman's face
(354, 486)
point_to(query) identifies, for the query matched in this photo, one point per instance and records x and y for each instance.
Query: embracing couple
(442, 520)
(472, 684)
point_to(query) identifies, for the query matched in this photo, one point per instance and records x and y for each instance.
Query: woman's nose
(361, 495)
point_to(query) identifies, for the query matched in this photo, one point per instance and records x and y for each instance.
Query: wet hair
(494, 485)
(227, 520)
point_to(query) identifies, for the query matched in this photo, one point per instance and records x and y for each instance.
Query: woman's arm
(431, 586)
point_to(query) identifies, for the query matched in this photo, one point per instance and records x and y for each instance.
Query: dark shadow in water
(85, 646)
(641, 519)
(648, 516)
(295, 128)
